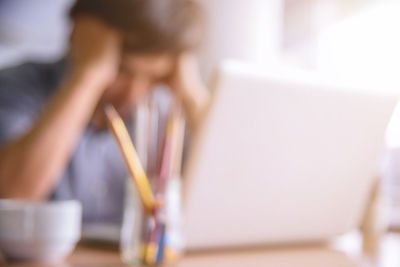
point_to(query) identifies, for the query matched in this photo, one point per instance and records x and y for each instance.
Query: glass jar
(146, 240)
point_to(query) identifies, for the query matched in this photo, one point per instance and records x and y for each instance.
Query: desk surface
(345, 252)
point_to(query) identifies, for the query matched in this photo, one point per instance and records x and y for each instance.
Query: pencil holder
(148, 240)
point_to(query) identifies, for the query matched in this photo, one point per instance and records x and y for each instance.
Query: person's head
(154, 33)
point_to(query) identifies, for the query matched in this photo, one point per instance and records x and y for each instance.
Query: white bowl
(35, 231)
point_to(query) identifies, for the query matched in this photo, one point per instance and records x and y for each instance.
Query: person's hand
(185, 79)
(95, 50)
(186, 83)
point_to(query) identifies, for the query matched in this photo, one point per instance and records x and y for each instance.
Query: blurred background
(356, 42)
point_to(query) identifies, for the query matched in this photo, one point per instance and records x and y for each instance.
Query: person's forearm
(195, 102)
(30, 166)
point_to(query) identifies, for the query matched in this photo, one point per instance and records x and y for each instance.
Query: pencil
(118, 128)
(152, 246)
(161, 244)
(172, 154)
(180, 141)
(167, 159)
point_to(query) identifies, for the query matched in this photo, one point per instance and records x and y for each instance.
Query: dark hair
(149, 26)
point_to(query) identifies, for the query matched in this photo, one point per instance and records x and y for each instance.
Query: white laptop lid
(279, 160)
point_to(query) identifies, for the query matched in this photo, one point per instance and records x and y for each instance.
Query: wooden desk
(342, 253)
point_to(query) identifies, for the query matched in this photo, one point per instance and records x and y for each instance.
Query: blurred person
(53, 142)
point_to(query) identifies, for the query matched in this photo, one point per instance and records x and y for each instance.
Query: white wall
(364, 49)
(246, 30)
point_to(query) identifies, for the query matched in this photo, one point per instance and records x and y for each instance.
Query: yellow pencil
(118, 128)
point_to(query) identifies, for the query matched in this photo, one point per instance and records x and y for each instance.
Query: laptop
(281, 159)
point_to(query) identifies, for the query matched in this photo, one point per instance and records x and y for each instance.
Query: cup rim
(19, 204)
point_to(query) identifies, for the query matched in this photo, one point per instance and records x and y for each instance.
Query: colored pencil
(171, 157)
(121, 134)
(161, 244)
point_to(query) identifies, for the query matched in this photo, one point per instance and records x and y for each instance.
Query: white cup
(35, 231)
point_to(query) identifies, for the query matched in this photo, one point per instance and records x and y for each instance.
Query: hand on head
(185, 75)
(95, 50)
